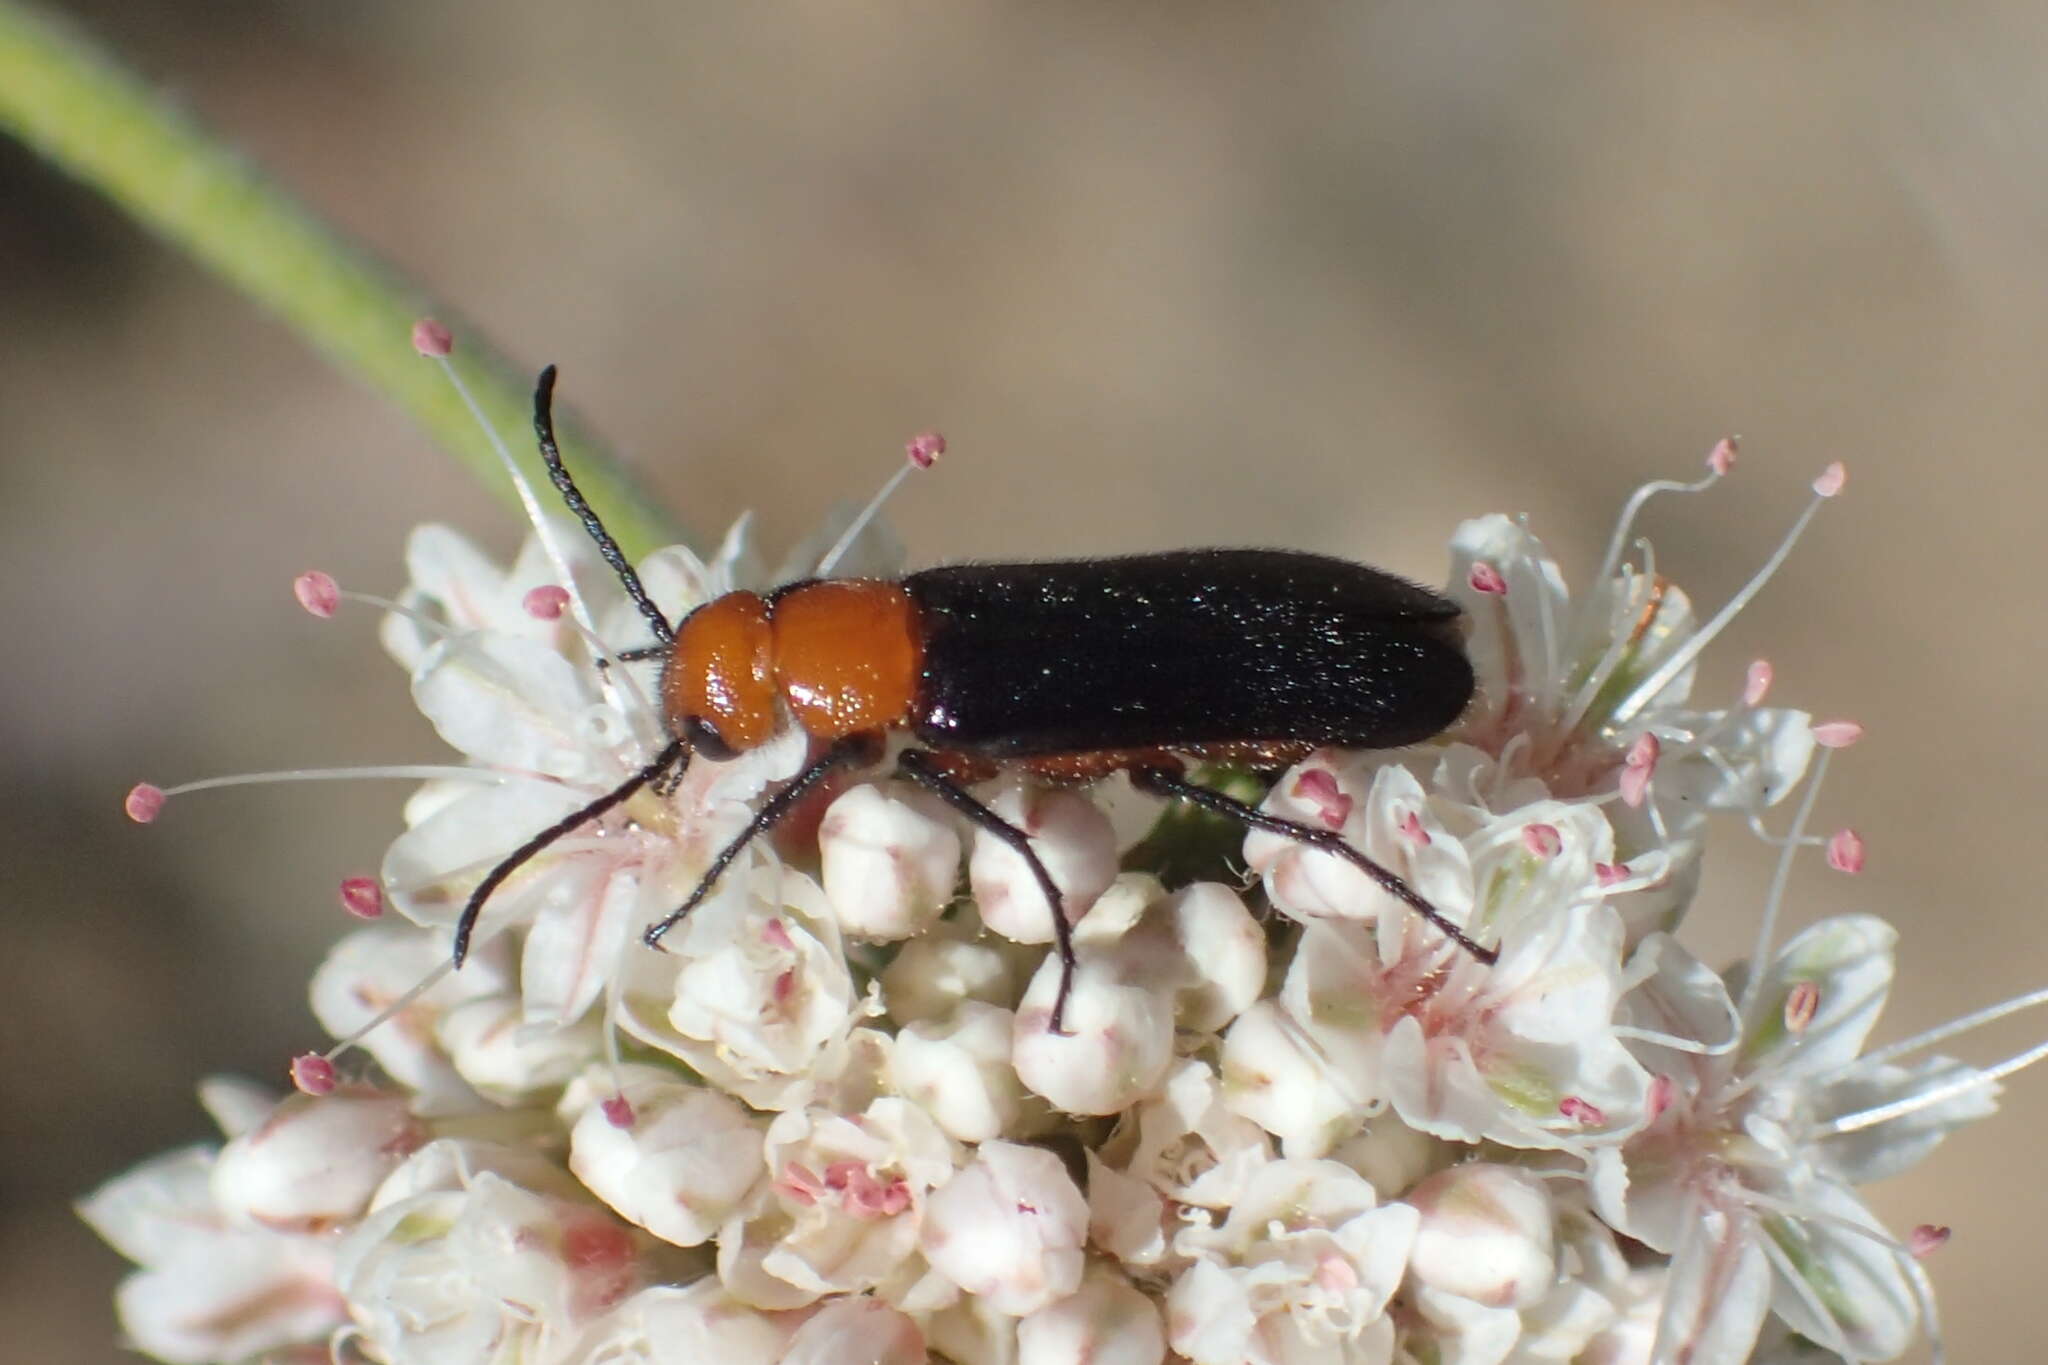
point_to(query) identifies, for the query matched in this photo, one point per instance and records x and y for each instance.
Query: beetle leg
(915, 765)
(513, 861)
(1165, 782)
(852, 749)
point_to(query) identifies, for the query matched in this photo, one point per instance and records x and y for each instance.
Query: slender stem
(69, 100)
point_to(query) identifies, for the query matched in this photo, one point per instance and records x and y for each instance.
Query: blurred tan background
(1327, 275)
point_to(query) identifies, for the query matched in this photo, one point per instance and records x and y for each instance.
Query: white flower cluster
(1288, 1124)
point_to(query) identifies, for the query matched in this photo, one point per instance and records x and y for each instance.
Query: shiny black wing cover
(1186, 648)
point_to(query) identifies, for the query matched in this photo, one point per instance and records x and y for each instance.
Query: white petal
(514, 704)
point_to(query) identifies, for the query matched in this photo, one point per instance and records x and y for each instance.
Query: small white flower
(865, 1330)
(313, 1164)
(1009, 1229)
(889, 860)
(1300, 1270)
(209, 1288)
(755, 995)
(1745, 1176)
(1105, 1322)
(959, 1069)
(506, 1058)
(684, 1162)
(1485, 1235)
(845, 1201)
(952, 962)
(1522, 1052)
(1071, 836)
(688, 1325)
(458, 1264)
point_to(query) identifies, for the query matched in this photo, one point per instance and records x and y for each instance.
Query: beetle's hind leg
(1168, 783)
(916, 765)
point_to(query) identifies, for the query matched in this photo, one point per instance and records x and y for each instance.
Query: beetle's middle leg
(919, 766)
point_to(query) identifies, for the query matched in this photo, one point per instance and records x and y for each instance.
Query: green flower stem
(70, 101)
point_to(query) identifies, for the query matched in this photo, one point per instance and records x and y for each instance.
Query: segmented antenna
(550, 453)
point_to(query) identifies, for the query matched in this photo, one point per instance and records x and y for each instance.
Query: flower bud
(1393, 1156)
(1009, 1228)
(890, 860)
(509, 1060)
(1273, 1076)
(954, 962)
(1118, 1043)
(683, 1165)
(1106, 1322)
(667, 1324)
(959, 1070)
(1074, 839)
(315, 1163)
(857, 1329)
(1485, 1235)
(1220, 948)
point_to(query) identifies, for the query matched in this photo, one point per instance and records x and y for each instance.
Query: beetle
(1065, 670)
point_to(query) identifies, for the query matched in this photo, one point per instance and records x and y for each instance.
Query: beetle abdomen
(1193, 647)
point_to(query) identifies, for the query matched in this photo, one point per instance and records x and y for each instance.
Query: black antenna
(513, 861)
(544, 428)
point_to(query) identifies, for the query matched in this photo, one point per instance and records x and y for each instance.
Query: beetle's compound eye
(704, 740)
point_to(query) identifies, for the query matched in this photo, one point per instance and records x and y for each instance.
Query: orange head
(843, 654)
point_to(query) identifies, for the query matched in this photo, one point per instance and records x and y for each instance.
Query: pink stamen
(1542, 840)
(925, 448)
(1802, 1003)
(546, 602)
(362, 897)
(317, 592)
(312, 1074)
(1412, 830)
(431, 339)
(1581, 1111)
(1721, 458)
(777, 933)
(1660, 1096)
(1485, 578)
(1831, 479)
(618, 1111)
(1638, 768)
(1928, 1238)
(1319, 786)
(785, 986)
(1845, 852)
(144, 802)
(1757, 684)
(1610, 873)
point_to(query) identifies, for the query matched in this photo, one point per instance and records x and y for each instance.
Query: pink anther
(312, 1074)
(1757, 683)
(618, 1111)
(1660, 1097)
(362, 897)
(1831, 479)
(546, 602)
(1802, 1003)
(1928, 1238)
(1610, 873)
(1638, 768)
(1485, 578)
(925, 448)
(431, 339)
(1721, 458)
(1542, 840)
(1845, 852)
(1412, 830)
(1582, 1112)
(1318, 786)
(1837, 734)
(144, 802)
(317, 592)
(777, 933)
